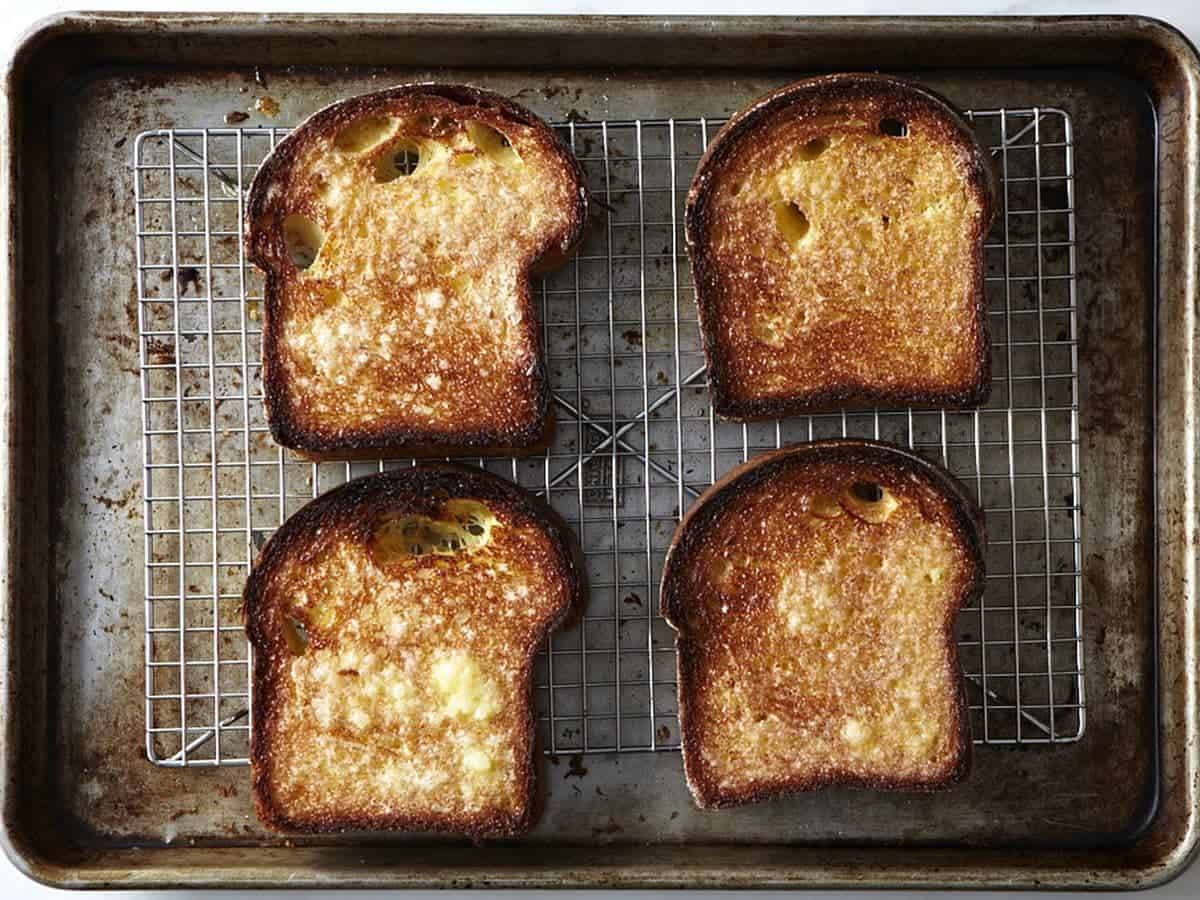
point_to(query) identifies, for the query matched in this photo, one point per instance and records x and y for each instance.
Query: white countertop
(1184, 14)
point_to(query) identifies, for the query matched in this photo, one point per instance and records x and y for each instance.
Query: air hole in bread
(814, 148)
(893, 128)
(870, 501)
(493, 144)
(867, 491)
(362, 135)
(295, 635)
(400, 161)
(463, 526)
(303, 239)
(791, 221)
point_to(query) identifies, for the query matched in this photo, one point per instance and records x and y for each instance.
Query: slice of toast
(836, 229)
(398, 232)
(394, 622)
(814, 592)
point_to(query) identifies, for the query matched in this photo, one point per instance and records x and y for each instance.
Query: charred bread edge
(556, 248)
(901, 98)
(434, 452)
(347, 499)
(967, 522)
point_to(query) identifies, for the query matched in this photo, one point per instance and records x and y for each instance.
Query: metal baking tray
(139, 477)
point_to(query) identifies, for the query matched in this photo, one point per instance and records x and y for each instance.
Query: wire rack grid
(635, 444)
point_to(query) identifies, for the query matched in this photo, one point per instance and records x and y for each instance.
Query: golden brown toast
(836, 229)
(394, 622)
(814, 592)
(398, 232)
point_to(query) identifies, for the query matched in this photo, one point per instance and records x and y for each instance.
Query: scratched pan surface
(82, 803)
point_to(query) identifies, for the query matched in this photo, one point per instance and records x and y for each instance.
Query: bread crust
(352, 507)
(900, 99)
(432, 451)
(967, 523)
(266, 249)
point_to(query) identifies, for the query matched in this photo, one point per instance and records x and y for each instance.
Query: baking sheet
(1100, 791)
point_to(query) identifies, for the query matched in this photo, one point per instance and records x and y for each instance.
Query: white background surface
(1184, 14)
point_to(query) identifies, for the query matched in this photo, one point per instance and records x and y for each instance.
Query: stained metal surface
(73, 670)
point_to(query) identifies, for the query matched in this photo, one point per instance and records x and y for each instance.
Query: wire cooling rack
(635, 442)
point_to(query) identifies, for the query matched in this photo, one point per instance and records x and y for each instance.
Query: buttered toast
(398, 232)
(835, 229)
(813, 592)
(394, 622)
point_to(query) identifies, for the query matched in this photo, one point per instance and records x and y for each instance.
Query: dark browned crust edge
(541, 445)
(968, 524)
(262, 247)
(902, 99)
(346, 504)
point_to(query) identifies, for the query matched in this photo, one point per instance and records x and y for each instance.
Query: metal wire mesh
(635, 442)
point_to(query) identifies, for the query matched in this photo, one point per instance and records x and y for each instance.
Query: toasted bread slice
(814, 592)
(836, 229)
(394, 622)
(398, 232)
